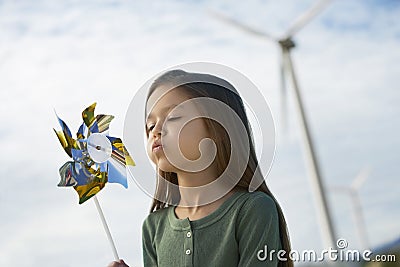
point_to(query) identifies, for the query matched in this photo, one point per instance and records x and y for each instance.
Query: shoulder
(257, 227)
(257, 206)
(155, 219)
(257, 199)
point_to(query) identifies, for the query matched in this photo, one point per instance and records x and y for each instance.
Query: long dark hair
(197, 86)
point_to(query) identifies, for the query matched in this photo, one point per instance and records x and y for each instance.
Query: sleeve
(258, 233)
(149, 250)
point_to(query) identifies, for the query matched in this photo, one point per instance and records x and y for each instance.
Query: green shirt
(232, 235)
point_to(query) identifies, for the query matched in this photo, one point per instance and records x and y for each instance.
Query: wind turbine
(287, 69)
(352, 191)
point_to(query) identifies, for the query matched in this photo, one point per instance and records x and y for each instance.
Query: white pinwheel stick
(108, 233)
(99, 148)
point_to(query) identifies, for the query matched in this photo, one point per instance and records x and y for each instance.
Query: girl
(203, 214)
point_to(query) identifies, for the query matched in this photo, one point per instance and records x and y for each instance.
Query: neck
(192, 186)
(201, 190)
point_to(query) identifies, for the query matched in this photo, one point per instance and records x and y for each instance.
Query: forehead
(164, 96)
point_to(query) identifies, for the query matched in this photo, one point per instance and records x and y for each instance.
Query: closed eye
(173, 118)
(150, 127)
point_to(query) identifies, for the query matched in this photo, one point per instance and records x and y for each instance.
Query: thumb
(122, 261)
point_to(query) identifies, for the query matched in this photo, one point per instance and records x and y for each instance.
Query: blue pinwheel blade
(82, 175)
(81, 134)
(94, 128)
(117, 173)
(64, 126)
(76, 154)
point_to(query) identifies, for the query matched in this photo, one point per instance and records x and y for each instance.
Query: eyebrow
(164, 110)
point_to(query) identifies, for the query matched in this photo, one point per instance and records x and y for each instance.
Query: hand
(119, 263)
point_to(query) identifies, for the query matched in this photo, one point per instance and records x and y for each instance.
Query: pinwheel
(97, 159)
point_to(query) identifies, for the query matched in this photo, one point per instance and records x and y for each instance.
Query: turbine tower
(358, 217)
(287, 70)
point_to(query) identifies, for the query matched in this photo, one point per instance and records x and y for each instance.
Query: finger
(122, 261)
(123, 264)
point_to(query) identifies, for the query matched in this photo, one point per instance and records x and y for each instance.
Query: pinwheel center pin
(99, 147)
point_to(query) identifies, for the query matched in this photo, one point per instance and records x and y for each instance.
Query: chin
(165, 166)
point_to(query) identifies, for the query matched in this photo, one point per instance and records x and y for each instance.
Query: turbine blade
(306, 17)
(361, 177)
(240, 25)
(284, 96)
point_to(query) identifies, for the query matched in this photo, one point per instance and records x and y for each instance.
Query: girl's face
(165, 122)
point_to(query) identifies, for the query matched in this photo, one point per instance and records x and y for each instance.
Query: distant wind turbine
(352, 191)
(287, 69)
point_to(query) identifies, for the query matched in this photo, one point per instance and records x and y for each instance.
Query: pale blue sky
(66, 55)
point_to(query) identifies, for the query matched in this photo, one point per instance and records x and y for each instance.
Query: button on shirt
(231, 236)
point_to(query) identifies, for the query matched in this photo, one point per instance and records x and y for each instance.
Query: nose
(157, 130)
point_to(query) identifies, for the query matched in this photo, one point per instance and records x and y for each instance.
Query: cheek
(190, 138)
(149, 151)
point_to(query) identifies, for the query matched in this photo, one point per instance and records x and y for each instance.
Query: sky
(65, 55)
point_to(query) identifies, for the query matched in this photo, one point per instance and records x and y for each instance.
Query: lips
(156, 145)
